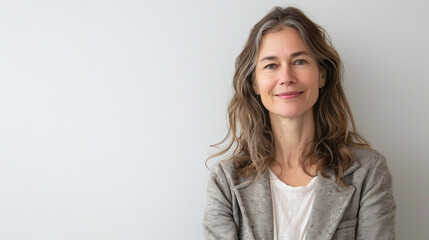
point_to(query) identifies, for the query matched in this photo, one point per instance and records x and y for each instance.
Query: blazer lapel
(330, 203)
(254, 199)
(329, 206)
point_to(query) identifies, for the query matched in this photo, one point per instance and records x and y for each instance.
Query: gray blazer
(242, 208)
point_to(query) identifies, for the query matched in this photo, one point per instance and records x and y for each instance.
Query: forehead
(281, 42)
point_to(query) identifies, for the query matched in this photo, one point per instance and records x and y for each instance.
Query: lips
(289, 95)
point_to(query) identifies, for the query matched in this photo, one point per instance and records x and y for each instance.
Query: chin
(292, 113)
(288, 114)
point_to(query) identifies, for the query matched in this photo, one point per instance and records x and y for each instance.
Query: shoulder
(367, 157)
(225, 166)
(224, 173)
(224, 169)
(372, 168)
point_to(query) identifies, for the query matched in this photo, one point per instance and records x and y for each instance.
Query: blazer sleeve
(218, 218)
(377, 206)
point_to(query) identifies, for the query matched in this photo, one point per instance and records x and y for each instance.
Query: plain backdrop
(108, 108)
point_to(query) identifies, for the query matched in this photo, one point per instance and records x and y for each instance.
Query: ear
(322, 78)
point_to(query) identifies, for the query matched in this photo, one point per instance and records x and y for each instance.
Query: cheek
(314, 81)
(313, 87)
(263, 87)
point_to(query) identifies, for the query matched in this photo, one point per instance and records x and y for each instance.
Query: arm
(218, 218)
(377, 206)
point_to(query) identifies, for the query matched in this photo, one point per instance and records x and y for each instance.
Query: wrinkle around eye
(270, 66)
(300, 62)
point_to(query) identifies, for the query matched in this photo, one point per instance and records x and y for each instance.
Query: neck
(290, 137)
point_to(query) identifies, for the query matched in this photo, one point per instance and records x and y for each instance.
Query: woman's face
(287, 76)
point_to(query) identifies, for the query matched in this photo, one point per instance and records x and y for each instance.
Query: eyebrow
(295, 54)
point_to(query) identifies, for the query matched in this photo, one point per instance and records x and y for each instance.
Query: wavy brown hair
(250, 135)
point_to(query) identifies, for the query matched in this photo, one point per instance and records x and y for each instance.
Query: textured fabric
(239, 208)
(291, 208)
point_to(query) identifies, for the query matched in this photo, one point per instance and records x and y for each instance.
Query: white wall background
(107, 108)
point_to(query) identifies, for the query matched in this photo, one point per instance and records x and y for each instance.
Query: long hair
(250, 135)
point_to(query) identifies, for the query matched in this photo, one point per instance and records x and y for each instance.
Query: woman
(299, 169)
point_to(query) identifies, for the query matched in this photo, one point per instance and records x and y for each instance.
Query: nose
(287, 76)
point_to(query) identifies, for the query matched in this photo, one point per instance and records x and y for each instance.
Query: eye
(300, 62)
(271, 66)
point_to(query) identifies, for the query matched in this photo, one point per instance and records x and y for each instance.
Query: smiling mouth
(289, 95)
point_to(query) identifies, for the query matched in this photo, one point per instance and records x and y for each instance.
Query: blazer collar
(352, 168)
(255, 198)
(355, 165)
(329, 205)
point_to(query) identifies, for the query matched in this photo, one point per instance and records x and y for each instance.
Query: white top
(291, 208)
